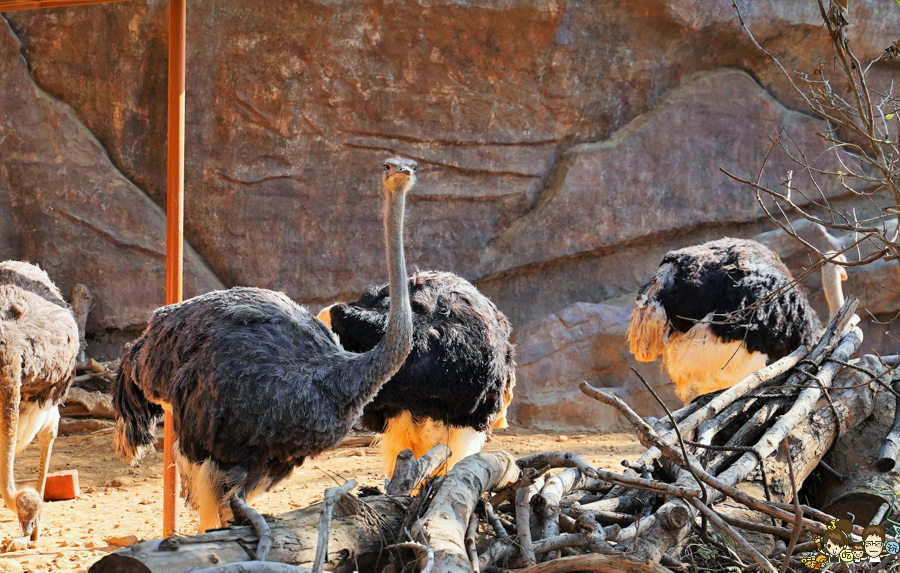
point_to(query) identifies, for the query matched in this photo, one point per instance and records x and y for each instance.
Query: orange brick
(61, 486)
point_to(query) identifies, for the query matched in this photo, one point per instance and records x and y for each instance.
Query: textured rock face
(67, 208)
(587, 342)
(582, 342)
(565, 146)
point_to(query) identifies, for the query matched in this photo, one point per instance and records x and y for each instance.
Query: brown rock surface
(565, 146)
(290, 107)
(582, 342)
(654, 175)
(67, 208)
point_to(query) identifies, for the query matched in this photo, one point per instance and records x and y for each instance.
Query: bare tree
(861, 133)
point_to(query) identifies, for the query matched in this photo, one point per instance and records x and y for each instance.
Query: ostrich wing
(461, 361)
(249, 375)
(717, 279)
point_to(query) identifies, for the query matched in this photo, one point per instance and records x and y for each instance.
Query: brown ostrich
(255, 383)
(38, 347)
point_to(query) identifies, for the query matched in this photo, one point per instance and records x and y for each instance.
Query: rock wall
(565, 145)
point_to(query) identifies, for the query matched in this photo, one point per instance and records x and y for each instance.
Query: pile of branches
(772, 428)
(494, 513)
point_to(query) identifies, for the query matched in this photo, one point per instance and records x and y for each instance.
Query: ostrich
(38, 347)
(255, 383)
(456, 382)
(682, 313)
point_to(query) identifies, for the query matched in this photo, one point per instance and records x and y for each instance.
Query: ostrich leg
(46, 437)
(9, 427)
(240, 509)
(10, 395)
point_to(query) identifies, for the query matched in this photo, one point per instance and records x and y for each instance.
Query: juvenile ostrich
(683, 314)
(38, 347)
(456, 382)
(255, 383)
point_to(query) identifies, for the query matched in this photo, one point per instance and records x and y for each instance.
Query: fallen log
(864, 488)
(445, 523)
(81, 403)
(356, 542)
(409, 471)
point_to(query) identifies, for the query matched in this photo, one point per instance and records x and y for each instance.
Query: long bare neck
(831, 284)
(376, 367)
(9, 423)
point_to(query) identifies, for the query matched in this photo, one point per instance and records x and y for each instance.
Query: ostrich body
(254, 382)
(456, 382)
(684, 314)
(38, 347)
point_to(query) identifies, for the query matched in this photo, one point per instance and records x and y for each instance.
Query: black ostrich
(38, 347)
(255, 383)
(456, 382)
(684, 314)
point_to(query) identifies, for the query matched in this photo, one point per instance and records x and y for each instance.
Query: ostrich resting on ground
(255, 383)
(456, 382)
(684, 313)
(38, 347)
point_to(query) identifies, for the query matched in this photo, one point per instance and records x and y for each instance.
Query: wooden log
(409, 471)
(74, 426)
(596, 563)
(673, 524)
(83, 404)
(355, 540)
(551, 494)
(332, 496)
(801, 408)
(864, 488)
(523, 522)
(445, 522)
(890, 449)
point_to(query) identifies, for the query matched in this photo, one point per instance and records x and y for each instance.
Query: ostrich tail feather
(647, 332)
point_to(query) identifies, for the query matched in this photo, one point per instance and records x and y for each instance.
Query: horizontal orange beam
(13, 5)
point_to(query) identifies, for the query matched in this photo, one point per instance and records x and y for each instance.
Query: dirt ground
(117, 500)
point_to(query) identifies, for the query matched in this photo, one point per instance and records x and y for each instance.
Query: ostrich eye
(414, 167)
(387, 167)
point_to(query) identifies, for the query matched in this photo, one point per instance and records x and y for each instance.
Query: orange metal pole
(174, 232)
(14, 5)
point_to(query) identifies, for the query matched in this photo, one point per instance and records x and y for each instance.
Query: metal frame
(174, 205)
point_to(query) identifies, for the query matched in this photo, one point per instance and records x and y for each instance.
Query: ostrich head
(399, 174)
(28, 508)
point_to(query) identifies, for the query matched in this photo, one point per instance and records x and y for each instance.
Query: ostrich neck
(9, 420)
(831, 284)
(383, 361)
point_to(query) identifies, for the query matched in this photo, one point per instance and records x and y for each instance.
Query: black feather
(722, 277)
(253, 380)
(461, 362)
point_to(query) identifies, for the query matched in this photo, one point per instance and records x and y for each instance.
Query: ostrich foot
(15, 544)
(240, 509)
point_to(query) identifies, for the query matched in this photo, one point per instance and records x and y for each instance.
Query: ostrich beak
(325, 315)
(28, 526)
(843, 272)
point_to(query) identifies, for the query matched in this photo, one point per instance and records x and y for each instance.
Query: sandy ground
(117, 500)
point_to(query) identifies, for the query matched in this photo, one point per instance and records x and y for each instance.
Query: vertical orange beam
(174, 232)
